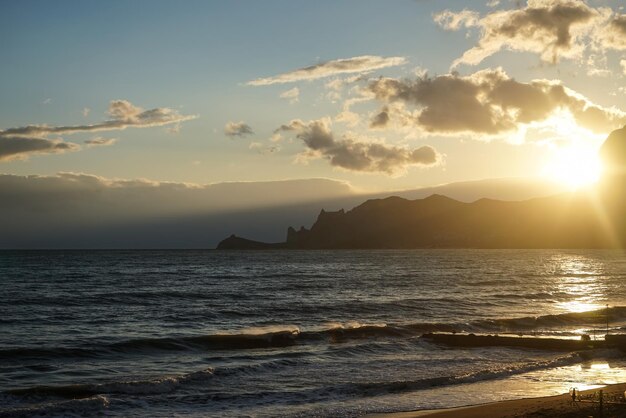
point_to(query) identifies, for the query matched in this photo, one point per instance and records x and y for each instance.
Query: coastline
(558, 406)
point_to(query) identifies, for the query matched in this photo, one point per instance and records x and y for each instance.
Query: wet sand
(559, 406)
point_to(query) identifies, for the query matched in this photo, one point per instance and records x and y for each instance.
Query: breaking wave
(289, 335)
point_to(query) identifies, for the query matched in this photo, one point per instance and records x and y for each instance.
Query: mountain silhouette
(587, 219)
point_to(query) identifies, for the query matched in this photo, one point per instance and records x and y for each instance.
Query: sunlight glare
(578, 306)
(575, 166)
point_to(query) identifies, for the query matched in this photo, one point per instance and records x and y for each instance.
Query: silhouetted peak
(330, 215)
(486, 200)
(613, 151)
(380, 202)
(438, 198)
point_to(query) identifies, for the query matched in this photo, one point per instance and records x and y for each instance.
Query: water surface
(310, 333)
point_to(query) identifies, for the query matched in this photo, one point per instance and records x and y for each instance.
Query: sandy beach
(559, 406)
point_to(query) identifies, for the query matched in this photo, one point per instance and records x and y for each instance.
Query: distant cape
(592, 218)
(563, 221)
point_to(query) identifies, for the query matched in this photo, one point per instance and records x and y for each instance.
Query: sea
(296, 333)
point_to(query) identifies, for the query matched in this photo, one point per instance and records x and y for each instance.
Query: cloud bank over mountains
(75, 210)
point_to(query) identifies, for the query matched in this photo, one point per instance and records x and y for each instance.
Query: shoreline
(558, 406)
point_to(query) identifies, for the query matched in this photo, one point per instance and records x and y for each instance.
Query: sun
(575, 166)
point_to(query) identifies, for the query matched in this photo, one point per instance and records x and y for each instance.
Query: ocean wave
(44, 352)
(289, 335)
(382, 388)
(165, 384)
(226, 341)
(255, 369)
(254, 338)
(74, 407)
(378, 388)
(570, 319)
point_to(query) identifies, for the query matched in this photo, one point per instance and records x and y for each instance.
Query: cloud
(264, 149)
(19, 147)
(457, 20)
(293, 95)
(123, 114)
(613, 35)
(360, 64)
(550, 28)
(99, 198)
(381, 119)
(346, 115)
(18, 143)
(240, 129)
(355, 154)
(623, 64)
(488, 102)
(84, 211)
(100, 142)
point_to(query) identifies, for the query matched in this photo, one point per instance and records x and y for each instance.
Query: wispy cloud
(100, 142)
(293, 95)
(356, 153)
(123, 115)
(240, 129)
(359, 64)
(18, 143)
(264, 149)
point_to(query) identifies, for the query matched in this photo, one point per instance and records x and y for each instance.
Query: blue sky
(64, 62)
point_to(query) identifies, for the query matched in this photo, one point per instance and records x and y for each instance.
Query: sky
(379, 95)
(172, 124)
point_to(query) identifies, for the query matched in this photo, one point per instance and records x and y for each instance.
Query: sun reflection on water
(580, 280)
(580, 305)
(590, 376)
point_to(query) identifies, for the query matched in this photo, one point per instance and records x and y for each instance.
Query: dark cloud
(489, 102)
(354, 154)
(74, 210)
(240, 129)
(360, 64)
(136, 198)
(18, 147)
(551, 28)
(381, 119)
